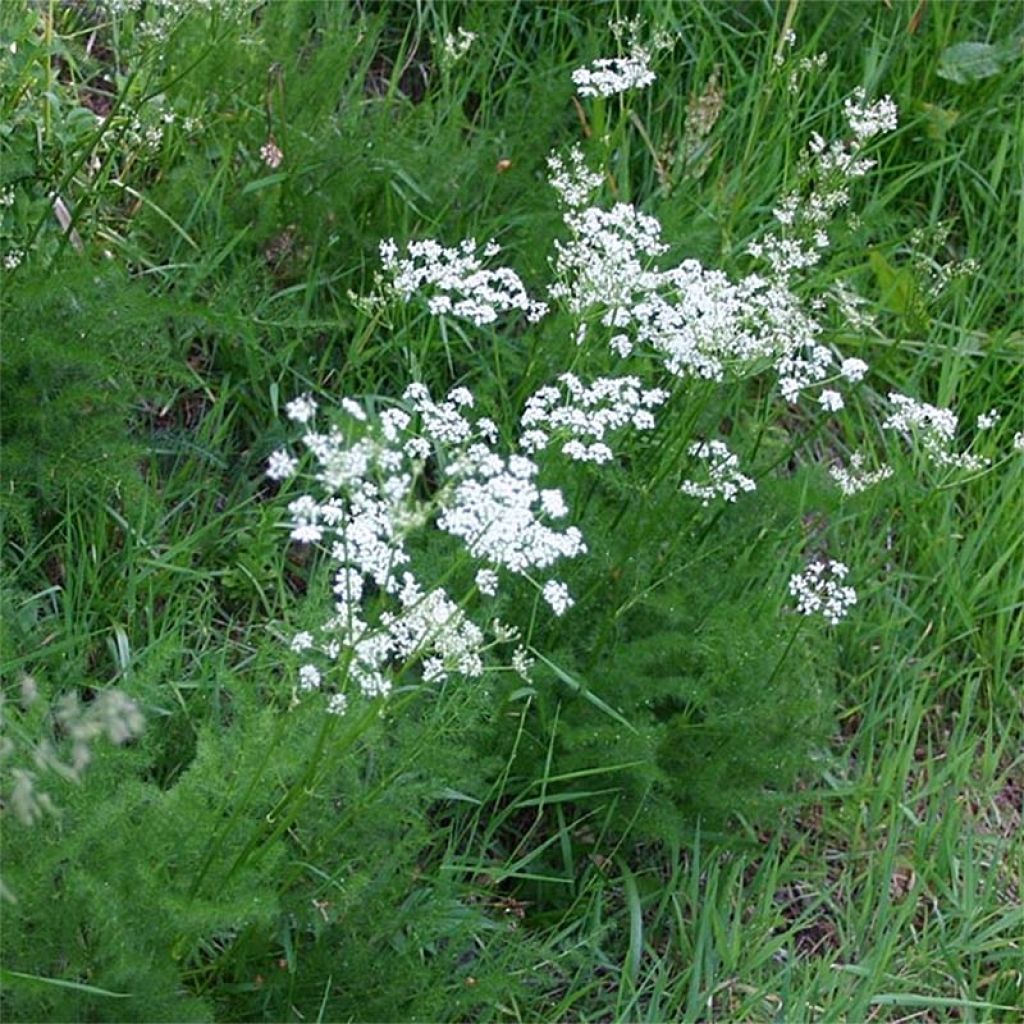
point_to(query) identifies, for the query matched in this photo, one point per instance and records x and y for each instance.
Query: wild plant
(582, 538)
(677, 335)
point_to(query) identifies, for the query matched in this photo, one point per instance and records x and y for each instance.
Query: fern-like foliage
(82, 348)
(701, 698)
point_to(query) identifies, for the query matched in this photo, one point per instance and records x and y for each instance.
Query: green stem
(787, 27)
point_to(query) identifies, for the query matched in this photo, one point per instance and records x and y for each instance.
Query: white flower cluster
(866, 120)
(427, 465)
(456, 280)
(557, 596)
(803, 69)
(855, 478)
(819, 590)
(701, 322)
(496, 510)
(853, 370)
(830, 400)
(434, 622)
(574, 182)
(587, 415)
(609, 76)
(371, 473)
(830, 167)
(708, 326)
(723, 469)
(159, 18)
(456, 45)
(934, 430)
(606, 261)
(787, 42)
(943, 275)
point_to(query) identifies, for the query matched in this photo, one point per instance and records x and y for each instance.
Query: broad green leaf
(971, 62)
(895, 285)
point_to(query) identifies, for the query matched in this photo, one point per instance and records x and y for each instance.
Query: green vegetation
(678, 800)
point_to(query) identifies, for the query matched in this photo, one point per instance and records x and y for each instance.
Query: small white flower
(417, 448)
(456, 46)
(1018, 441)
(309, 678)
(337, 704)
(493, 510)
(557, 596)
(433, 670)
(932, 429)
(855, 478)
(609, 76)
(575, 183)
(522, 663)
(354, 409)
(553, 504)
(456, 281)
(301, 409)
(819, 589)
(588, 413)
(281, 465)
(725, 479)
(302, 642)
(487, 582)
(830, 401)
(533, 440)
(853, 370)
(306, 527)
(598, 453)
(869, 119)
(621, 346)
(504, 632)
(271, 154)
(987, 420)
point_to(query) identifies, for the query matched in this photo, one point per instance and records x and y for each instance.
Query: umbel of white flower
(368, 471)
(932, 430)
(584, 417)
(724, 477)
(702, 323)
(608, 76)
(820, 590)
(456, 281)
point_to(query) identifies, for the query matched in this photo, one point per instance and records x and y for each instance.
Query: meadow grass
(494, 853)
